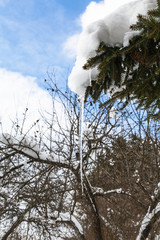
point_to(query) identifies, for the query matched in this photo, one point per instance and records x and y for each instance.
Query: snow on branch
(149, 218)
(30, 149)
(70, 219)
(100, 192)
(152, 215)
(112, 28)
(29, 146)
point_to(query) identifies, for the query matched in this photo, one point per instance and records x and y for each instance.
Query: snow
(108, 21)
(113, 112)
(68, 217)
(97, 190)
(25, 144)
(128, 36)
(147, 219)
(77, 224)
(150, 214)
(111, 162)
(157, 190)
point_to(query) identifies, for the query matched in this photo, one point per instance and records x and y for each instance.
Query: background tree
(41, 193)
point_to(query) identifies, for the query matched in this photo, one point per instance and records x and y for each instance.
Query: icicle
(81, 137)
(90, 77)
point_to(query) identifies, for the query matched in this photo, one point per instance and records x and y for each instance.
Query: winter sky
(33, 41)
(33, 33)
(39, 37)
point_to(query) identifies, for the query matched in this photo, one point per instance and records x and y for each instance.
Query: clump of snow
(113, 112)
(97, 190)
(68, 217)
(107, 21)
(157, 189)
(111, 162)
(96, 11)
(128, 36)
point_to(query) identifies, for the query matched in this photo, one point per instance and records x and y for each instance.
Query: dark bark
(97, 222)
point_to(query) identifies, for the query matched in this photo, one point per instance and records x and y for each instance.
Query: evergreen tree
(134, 69)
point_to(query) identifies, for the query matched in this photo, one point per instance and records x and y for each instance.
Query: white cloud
(17, 93)
(32, 40)
(70, 46)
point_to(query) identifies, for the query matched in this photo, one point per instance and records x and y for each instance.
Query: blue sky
(32, 38)
(32, 34)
